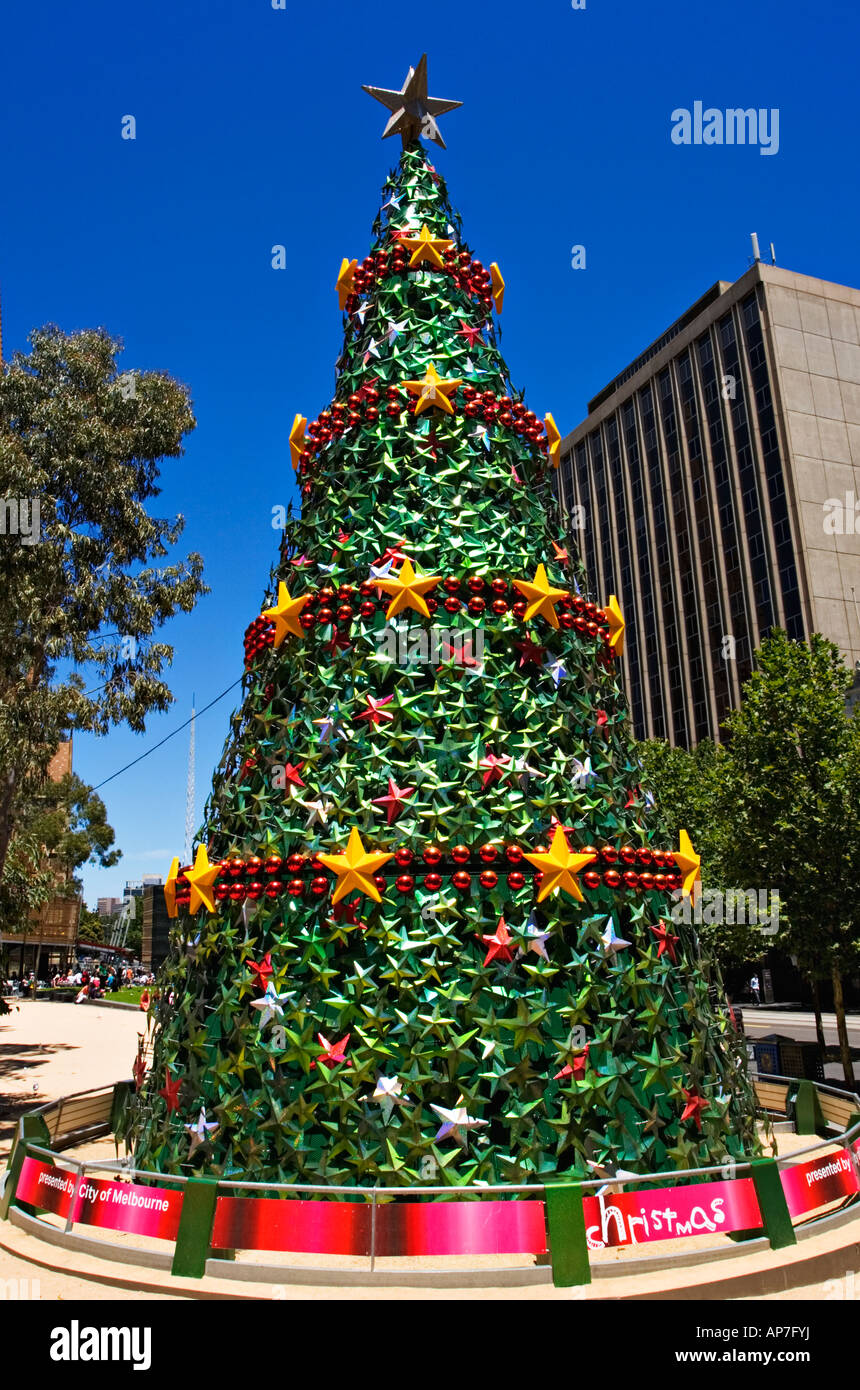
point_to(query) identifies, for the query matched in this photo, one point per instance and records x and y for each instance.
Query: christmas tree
(428, 932)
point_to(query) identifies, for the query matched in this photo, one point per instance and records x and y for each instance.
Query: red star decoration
(561, 553)
(472, 335)
(667, 941)
(392, 553)
(694, 1107)
(343, 537)
(339, 640)
(630, 799)
(494, 767)
(531, 652)
(375, 713)
(333, 1053)
(291, 774)
(499, 944)
(577, 1071)
(368, 385)
(460, 655)
(348, 912)
(263, 972)
(395, 800)
(139, 1070)
(170, 1092)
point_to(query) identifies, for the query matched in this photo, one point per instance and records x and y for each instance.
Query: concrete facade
(718, 478)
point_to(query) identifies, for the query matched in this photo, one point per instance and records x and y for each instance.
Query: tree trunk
(844, 1045)
(816, 1009)
(7, 821)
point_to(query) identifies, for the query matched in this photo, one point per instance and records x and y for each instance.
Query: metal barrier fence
(808, 1106)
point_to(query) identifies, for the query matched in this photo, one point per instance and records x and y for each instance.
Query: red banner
(313, 1228)
(116, 1206)
(636, 1217)
(822, 1180)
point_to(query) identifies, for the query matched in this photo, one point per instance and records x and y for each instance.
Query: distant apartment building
(108, 907)
(719, 478)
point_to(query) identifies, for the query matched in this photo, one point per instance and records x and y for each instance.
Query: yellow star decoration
(616, 624)
(355, 869)
(553, 438)
(426, 247)
(170, 887)
(432, 390)
(498, 287)
(201, 878)
(345, 285)
(297, 439)
(285, 614)
(407, 590)
(559, 866)
(689, 862)
(541, 595)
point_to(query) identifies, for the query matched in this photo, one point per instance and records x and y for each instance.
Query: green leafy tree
(415, 740)
(792, 802)
(80, 448)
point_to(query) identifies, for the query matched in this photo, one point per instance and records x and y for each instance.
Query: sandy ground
(49, 1050)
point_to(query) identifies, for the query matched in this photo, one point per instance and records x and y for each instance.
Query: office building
(718, 477)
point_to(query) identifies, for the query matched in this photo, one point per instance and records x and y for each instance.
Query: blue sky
(252, 131)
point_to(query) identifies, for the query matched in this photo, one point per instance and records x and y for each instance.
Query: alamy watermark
(728, 907)
(842, 515)
(21, 517)
(408, 646)
(734, 126)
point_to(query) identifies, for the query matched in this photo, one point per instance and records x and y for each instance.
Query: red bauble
(381, 882)
(591, 849)
(344, 615)
(404, 883)
(631, 878)
(476, 606)
(487, 853)
(254, 865)
(567, 621)
(452, 605)
(222, 891)
(519, 609)
(433, 882)
(647, 881)
(326, 616)
(612, 878)
(609, 855)
(513, 854)
(499, 607)
(295, 887)
(451, 585)
(432, 855)
(255, 890)
(235, 867)
(273, 863)
(489, 878)
(307, 621)
(368, 608)
(273, 888)
(475, 584)
(644, 856)
(627, 854)
(460, 854)
(403, 857)
(461, 881)
(319, 885)
(237, 892)
(295, 863)
(516, 880)
(499, 586)
(591, 879)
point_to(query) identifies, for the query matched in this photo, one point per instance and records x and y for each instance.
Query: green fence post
(194, 1236)
(808, 1118)
(568, 1246)
(772, 1204)
(16, 1163)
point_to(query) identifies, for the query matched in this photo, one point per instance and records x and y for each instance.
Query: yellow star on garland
(170, 887)
(541, 595)
(498, 286)
(616, 624)
(426, 247)
(285, 615)
(345, 285)
(559, 866)
(689, 862)
(297, 439)
(432, 390)
(201, 878)
(355, 869)
(553, 437)
(407, 589)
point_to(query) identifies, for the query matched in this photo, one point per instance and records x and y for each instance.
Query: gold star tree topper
(408, 589)
(355, 869)
(616, 624)
(541, 595)
(426, 247)
(201, 878)
(413, 111)
(432, 390)
(285, 614)
(559, 866)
